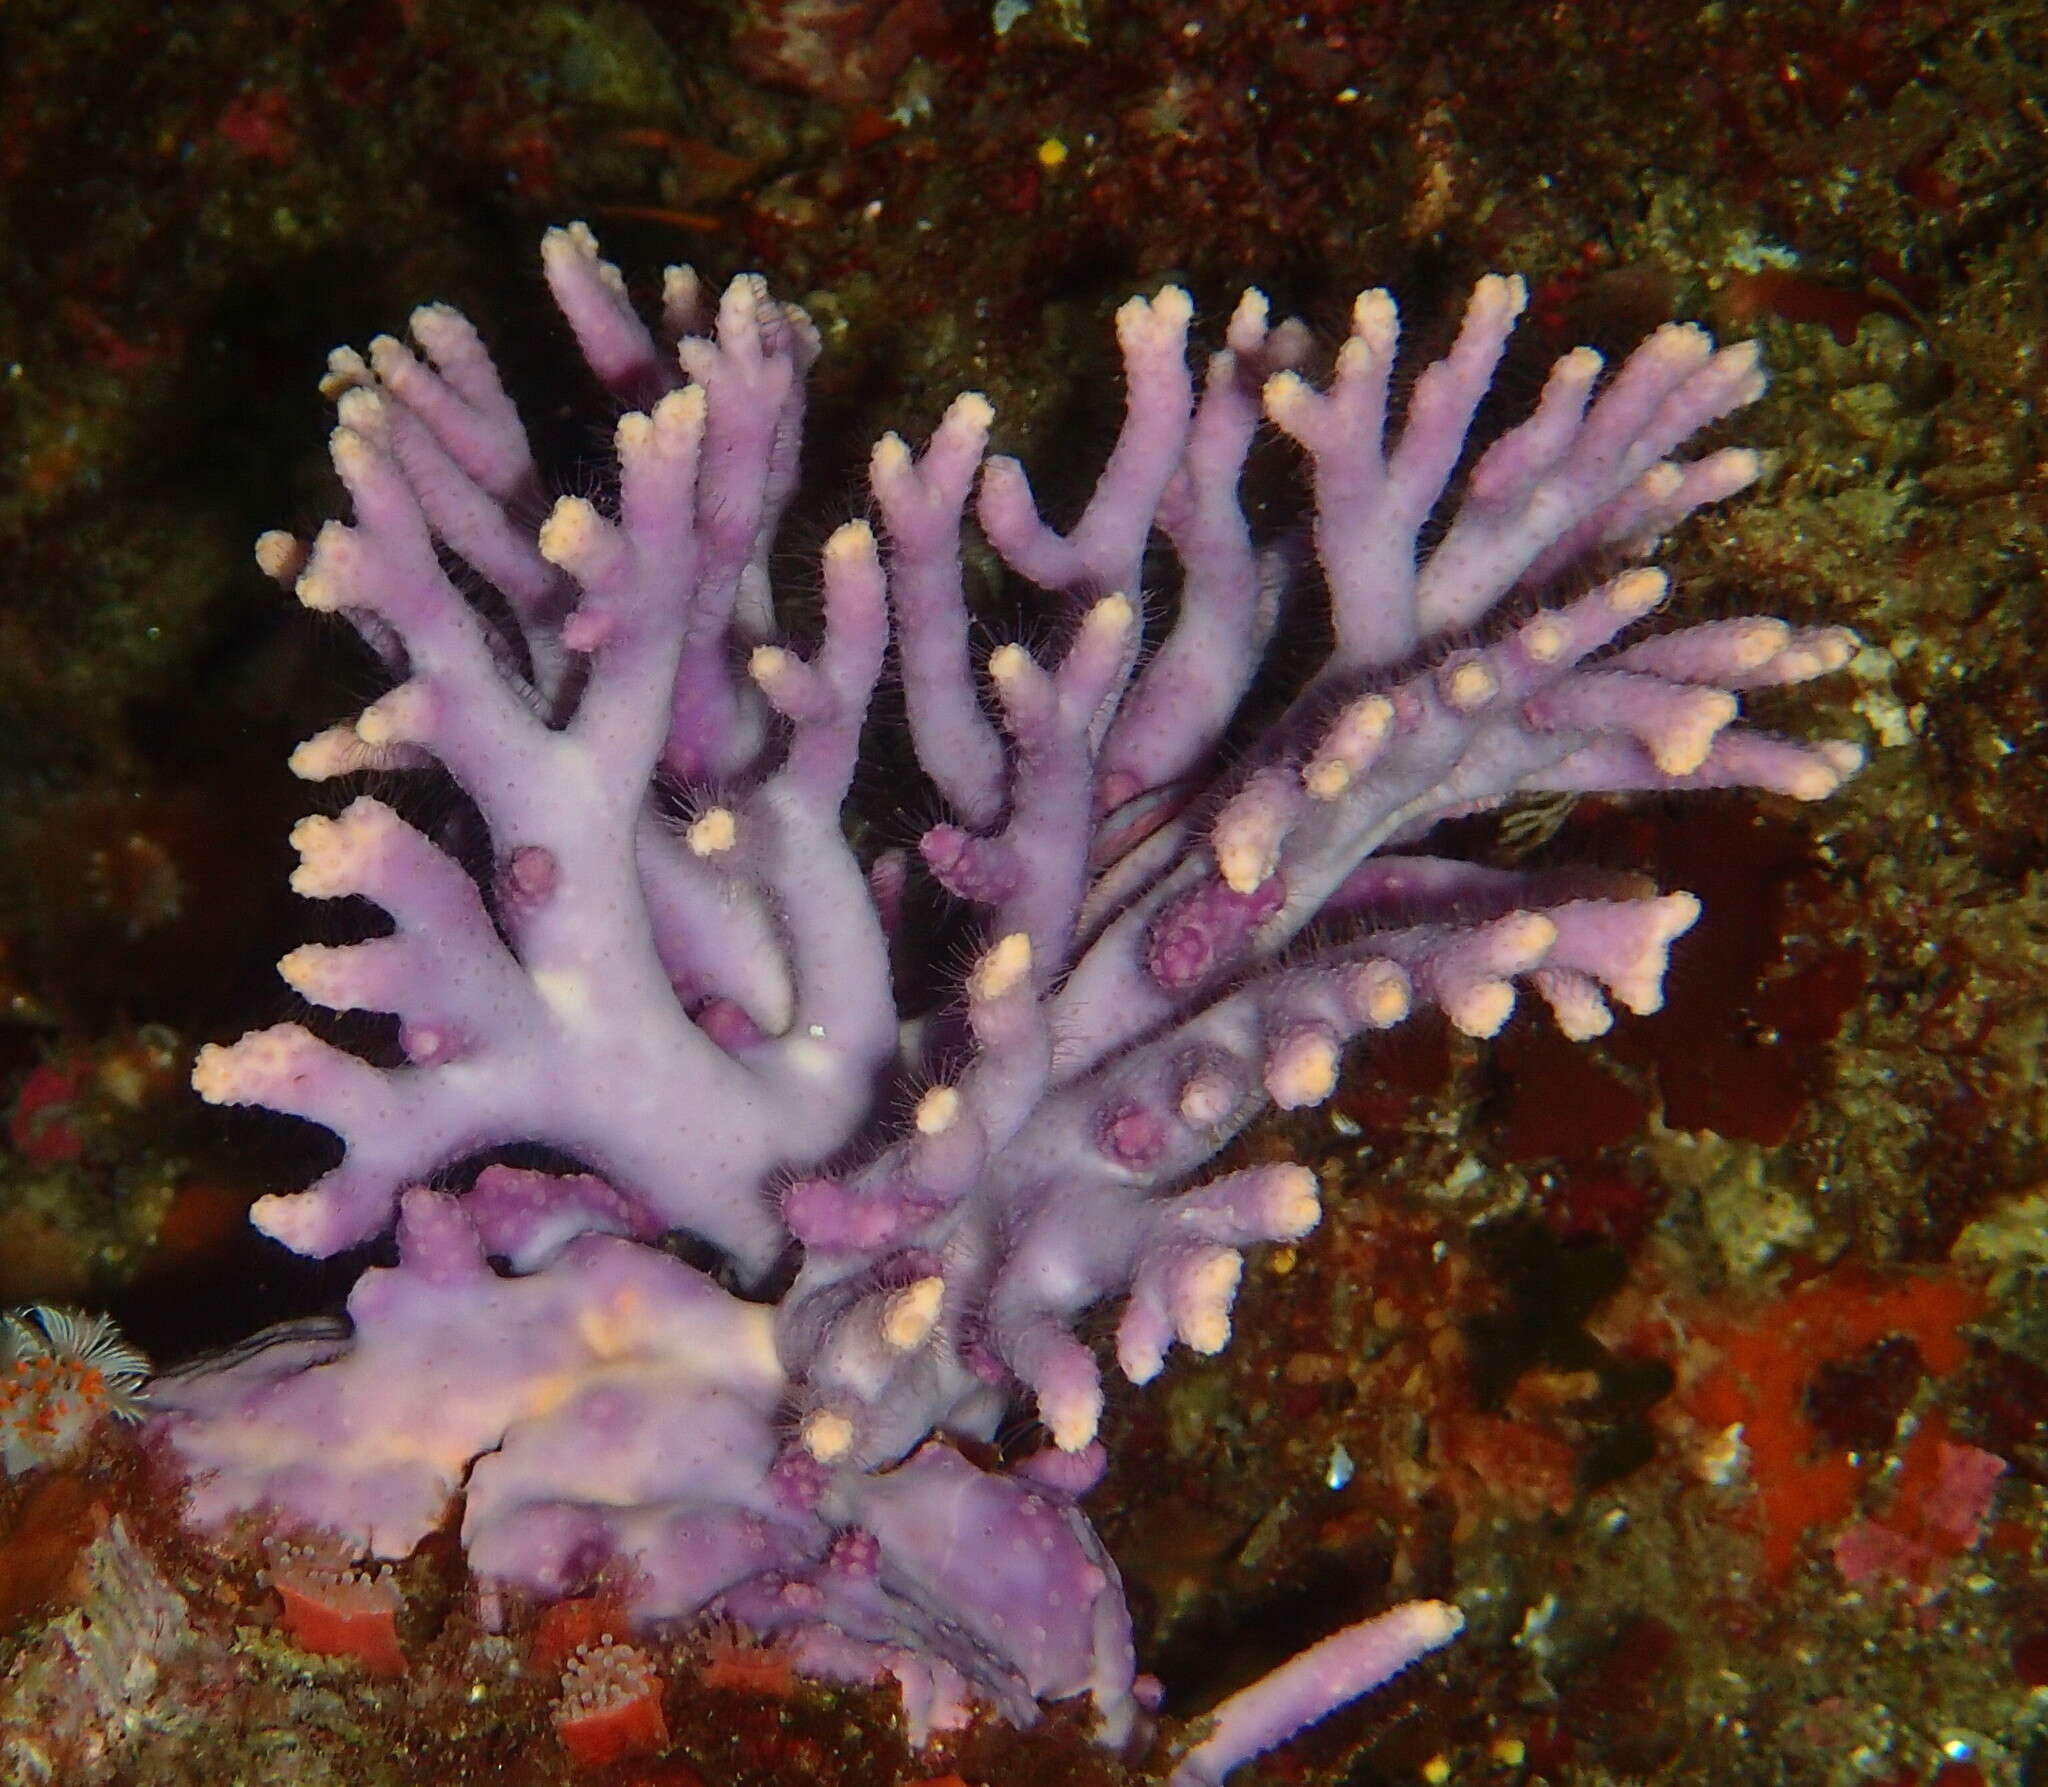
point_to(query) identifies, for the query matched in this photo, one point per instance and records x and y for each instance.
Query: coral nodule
(673, 970)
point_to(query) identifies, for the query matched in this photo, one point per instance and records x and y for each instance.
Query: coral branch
(683, 970)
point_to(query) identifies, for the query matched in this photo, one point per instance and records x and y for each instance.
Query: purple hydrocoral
(678, 972)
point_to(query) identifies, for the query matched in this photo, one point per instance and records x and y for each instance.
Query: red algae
(1515, 1463)
(1937, 1510)
(1854, 1404)
(1800, 298)
(1561, 1102)
(1765, 1362)
(1741, 1045)
(61, 1517)
(39, 1126)
(2030, 1658)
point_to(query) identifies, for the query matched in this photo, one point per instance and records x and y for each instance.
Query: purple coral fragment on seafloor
(1313, 1685)
(676, 973)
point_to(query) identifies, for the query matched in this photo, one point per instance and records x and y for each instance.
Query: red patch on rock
(1937, 1512)
(39, 1127)
(1768, 1358)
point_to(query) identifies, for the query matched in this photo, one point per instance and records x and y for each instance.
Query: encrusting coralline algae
(677, 972)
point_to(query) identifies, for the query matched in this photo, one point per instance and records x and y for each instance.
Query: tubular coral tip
(1302, 1072)
(1676, 913)
(937, 1111)
(1635, 593)
(1002, 969)
(587, 629)
(1207, 1099)
(1682, 747)
(971, 414)
(574, 536)
(828, 1437)
(216, 1075)
(310, 971)
(889, 459)
(1380, 994)
(1244, 866)
(1470, 686)
(681, 413)
(1009, 663)
(1113, 614)
(280, 556)
(713, 832)
(851, 540)
(1327, 778)
(318, 592)
(1072, 1422)
(1482, 1010)
(1545, 639)
(1297, 1207)
(1287, 397)
(913, 1313)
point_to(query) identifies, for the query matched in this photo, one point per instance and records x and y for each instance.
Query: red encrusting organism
(611, 1705)
(333, 1608)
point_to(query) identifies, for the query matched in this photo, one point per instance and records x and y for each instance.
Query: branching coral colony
(677, 971)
